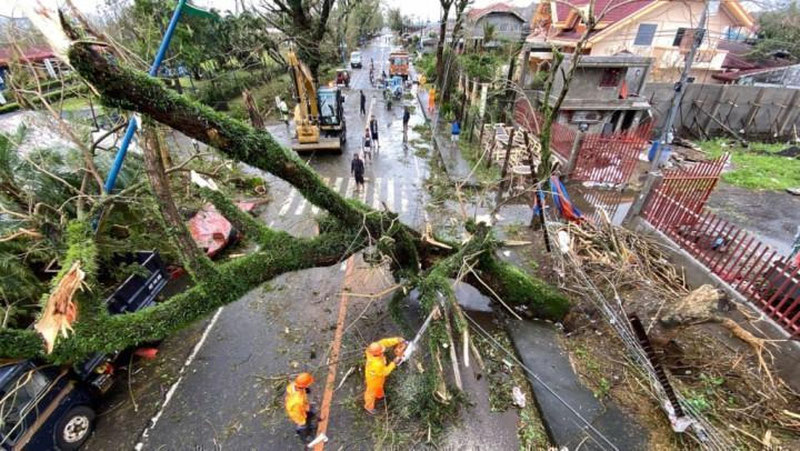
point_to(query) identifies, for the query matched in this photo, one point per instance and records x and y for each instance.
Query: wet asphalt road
(230, 395)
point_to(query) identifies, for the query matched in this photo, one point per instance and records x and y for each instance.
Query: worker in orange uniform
(376, 369)
(431, 99)
(299, 409)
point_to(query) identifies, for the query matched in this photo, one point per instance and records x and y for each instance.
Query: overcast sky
(425, 9)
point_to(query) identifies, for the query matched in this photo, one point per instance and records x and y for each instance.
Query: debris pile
(523, 145)
(724, 372)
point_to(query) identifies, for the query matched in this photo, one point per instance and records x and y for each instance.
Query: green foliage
(489, 31)
(413, 400)
(426, 64)
(482, 66)
(519, 289)
(230, 85)
(472, 153)
(757, 166)
(395, 19)
(779, 32)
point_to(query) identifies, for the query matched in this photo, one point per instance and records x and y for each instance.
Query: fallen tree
(350, 227)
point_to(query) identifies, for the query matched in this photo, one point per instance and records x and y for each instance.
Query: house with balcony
(604, 95)
(659, 29)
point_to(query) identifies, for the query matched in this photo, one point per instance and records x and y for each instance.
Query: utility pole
(697, 39)
(666, 138)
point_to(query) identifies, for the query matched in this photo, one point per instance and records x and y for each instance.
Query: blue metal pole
(111, 180)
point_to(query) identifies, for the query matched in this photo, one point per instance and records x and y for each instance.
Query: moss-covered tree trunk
(350, 227)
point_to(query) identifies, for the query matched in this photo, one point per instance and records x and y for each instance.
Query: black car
(44, 406)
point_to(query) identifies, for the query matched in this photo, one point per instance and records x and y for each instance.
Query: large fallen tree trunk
(351, 226)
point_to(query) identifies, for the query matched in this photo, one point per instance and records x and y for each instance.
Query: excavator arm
(304, 85)
(306, 112)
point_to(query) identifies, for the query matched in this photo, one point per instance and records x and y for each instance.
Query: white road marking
(362, 196)
(343, 266)
(390, 194)
(315, 209)
(376, 194)
(287, 203)
(301, 207)
(337, 186)
(403, 200)
(349, 191)
(174, 387)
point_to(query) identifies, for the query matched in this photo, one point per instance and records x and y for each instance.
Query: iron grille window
(611, 77)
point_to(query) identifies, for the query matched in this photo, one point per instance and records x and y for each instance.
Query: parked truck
(45, 406)
(398, 64)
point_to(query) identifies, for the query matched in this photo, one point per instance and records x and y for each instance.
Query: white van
(355, 60)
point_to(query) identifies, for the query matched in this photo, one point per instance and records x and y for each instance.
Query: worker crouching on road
(299, 409)
(376, 369)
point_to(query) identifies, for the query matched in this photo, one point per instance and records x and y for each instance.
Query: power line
(513, 357)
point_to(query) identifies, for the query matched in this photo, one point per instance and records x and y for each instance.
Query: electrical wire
(539, 380)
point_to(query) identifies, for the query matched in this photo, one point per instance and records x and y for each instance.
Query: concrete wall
(586, 83)
(751, 111)
(786, 352)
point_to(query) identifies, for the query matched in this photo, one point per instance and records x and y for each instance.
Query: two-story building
(659, 29)
(604, 95)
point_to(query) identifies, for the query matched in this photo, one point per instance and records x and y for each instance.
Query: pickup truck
(45, 406)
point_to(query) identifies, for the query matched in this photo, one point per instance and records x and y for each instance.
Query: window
(679, 37)
(611, 77)
(685, 36)
(645, 34)
(18, 398)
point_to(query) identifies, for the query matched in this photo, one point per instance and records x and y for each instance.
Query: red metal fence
(768, 279)
(605, 159)
(561, 136)
(610, 159)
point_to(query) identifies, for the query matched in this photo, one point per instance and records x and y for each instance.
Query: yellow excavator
(319, 114)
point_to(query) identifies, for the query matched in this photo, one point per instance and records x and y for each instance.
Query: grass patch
(757, 166)
(472, 153)
(424, 131)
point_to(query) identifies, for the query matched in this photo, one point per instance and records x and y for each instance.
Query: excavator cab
(319, 114)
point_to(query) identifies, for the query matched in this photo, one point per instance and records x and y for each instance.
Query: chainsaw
(411, 346)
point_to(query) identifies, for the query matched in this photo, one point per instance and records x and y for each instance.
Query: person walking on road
(366, 146)
(357, 169)
(373, 129)
(376, 370)
(363, 103)
(455, 130)
(406, 118)
(299, 409)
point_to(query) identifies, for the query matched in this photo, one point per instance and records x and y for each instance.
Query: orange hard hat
(303, 380)
(375, 349)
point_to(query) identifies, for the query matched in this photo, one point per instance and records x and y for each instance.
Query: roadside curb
(592, 424)
(455, 166)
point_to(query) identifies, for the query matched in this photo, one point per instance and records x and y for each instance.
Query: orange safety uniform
(297, 405)
(375, 372)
